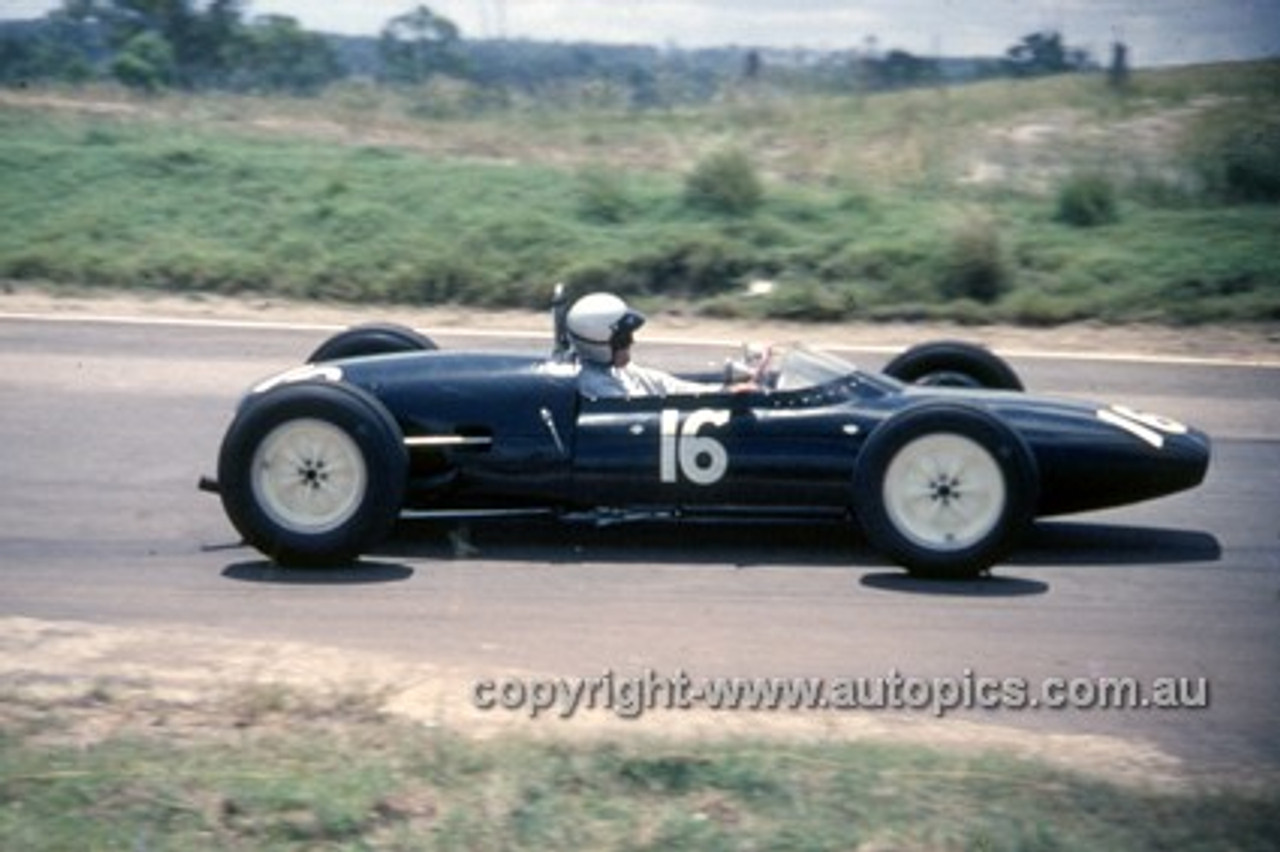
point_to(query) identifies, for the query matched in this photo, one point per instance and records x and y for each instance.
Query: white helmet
(600, 323)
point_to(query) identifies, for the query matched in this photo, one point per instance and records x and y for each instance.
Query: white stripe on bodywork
(1115, 418)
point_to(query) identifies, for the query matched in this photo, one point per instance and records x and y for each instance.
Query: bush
(1087, 200)
(603, 197)
(694, 268)
(441, 280)
(1035, 307)
(974, 266)
(146, 62)
(725, 182)
(811, 301)
(1238, 159)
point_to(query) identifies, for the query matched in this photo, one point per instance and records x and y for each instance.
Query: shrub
(974, 265)
(694, 268)
(698, 267)
(1035, 307)
(602, 196)
(1087, 200)
(1239, 160)
(146, 62)
(811, 301)
(436, 280)
(725, 182)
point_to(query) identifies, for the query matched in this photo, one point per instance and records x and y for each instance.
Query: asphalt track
(106, 425)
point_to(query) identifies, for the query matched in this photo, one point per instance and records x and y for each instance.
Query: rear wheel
(945, 490)
(377, 338)
(313, 473)
(953, 363)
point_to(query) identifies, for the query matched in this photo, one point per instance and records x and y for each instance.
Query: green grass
(277, 769)
(862, 213)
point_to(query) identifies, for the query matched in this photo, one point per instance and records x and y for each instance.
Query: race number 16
(701, 459)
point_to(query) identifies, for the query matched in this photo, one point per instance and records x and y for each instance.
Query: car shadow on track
(745, 545)
(361, 572)
(742, 545)
(986, 586)
(1065, 543)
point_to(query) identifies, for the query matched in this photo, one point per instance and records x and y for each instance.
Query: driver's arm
(599, 384)
(660, 383)
(666, 384)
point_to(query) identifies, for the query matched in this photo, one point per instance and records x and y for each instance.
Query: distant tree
(156, 44)
(207, 50)
(1118, 71)
(275, 54)
(418, 45)
(46, 57)
(899, 68)
(1043, 53)
(146, 62)
(865, 63)
(646, 92)
(17, 61)
(58, 47)
(199, 36)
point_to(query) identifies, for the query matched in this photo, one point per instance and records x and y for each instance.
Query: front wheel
(945, 490)
(313, 473)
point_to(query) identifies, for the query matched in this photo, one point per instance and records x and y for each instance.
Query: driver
(601, 327)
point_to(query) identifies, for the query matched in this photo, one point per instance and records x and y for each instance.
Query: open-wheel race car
(941, 459)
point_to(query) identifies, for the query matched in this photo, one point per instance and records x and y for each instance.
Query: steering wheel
(752, 372)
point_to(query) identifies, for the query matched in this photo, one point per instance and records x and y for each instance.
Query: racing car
(942, 459)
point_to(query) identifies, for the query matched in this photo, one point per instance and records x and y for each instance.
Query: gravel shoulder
(194, 684)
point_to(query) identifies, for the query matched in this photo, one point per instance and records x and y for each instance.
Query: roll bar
(562, 348)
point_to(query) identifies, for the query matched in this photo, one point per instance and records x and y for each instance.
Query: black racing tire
(313, 473)
(953, 363)
(945, 489)
(375, 338)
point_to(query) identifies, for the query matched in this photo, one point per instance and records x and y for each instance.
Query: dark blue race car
(941, 459)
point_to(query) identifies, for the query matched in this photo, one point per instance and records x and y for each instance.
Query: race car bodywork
(942, 474)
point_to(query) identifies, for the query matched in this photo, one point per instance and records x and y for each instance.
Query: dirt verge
(101, 681)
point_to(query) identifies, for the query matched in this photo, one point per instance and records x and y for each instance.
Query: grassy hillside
(1027, 201)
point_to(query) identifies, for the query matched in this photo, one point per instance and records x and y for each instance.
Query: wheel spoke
(933, 466)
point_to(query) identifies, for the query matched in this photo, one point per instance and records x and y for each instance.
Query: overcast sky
(1159, 32)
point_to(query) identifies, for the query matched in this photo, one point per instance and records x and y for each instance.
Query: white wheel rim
(944, 491)
(308, 476)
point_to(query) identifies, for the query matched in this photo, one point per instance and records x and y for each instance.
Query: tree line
(193, 45)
